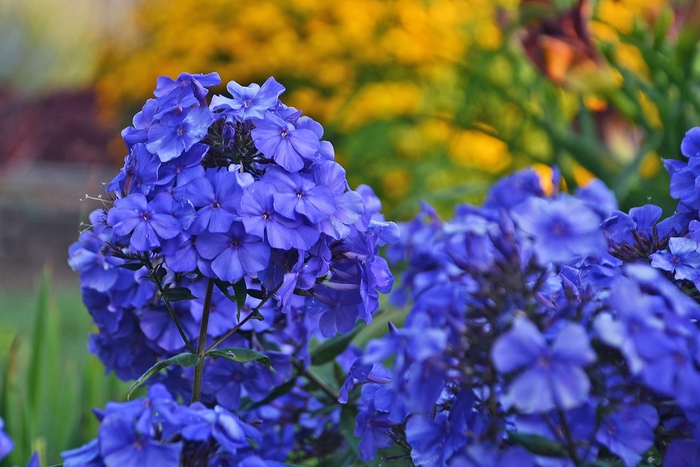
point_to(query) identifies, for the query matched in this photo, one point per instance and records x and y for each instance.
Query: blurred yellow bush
(419, 95)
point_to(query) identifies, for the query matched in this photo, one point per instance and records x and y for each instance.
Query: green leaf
(177, 293)
(538, 444)
(131, 266)
(241, 355)
(241, 292)
(279, 391)
(187, 360)
(331, 348)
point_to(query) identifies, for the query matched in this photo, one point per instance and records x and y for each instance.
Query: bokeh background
(423, 100)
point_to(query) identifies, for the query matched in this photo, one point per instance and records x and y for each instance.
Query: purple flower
(147, 223)
(683, 453)
(178, 132)
(142, 123)
(121, 444)
(553, 377)
(683, 260)
(250, 101)
(690, 146)
(374, 432)
(183, 92)
(219, 424)
(140, 172)
(561, 229)
(340, 309)
(513, 190)
(84, 456)
(281, 141)
(629, 432)
(260, 218)
(297, 194)
(233, 254)
(6, 444)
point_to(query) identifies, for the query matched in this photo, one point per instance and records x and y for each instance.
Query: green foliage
(186, 360)
(241, 355)
(48, 382)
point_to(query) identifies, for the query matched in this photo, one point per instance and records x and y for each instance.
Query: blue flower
(234, 253)
(683, 260)
(683, 453)
(250, 101)
(690, 146)
(147, 223)
(121, 444)
(285, 144)
(87, 455)
(629, 432)
(553, 377)
(6, 444)
(297, 194)
(562, 229)
(178, 132)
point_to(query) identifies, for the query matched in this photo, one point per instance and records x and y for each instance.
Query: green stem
(570, 444)
(152, 272)
(244, 320)
(202, 343)
(314, 378)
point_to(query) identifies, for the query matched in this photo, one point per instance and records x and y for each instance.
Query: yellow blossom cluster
(346, 63)
(386, 78)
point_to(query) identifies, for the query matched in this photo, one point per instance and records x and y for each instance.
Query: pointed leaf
(331, 348)
(537, 444)
(131, 266)
(177, 293)
(241, 292)
(279, 391)
(187, 360)
(241, 355)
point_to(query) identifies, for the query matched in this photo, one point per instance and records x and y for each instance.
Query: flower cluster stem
(202, 343)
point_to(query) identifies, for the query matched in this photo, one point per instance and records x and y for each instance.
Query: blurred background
(422, 99)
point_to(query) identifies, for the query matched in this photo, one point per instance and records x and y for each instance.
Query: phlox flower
(281, 141)
(249, 101)
(561, 229)
(552, 376)
(178, 132)
(147, 223)
(629, 432)
(683, 259)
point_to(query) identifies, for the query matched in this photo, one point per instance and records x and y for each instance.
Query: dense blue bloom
(241, 197)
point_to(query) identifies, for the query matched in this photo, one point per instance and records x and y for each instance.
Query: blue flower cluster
(233, 217)
(545, 329)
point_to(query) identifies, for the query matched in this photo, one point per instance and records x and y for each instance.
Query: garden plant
(231, 264)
